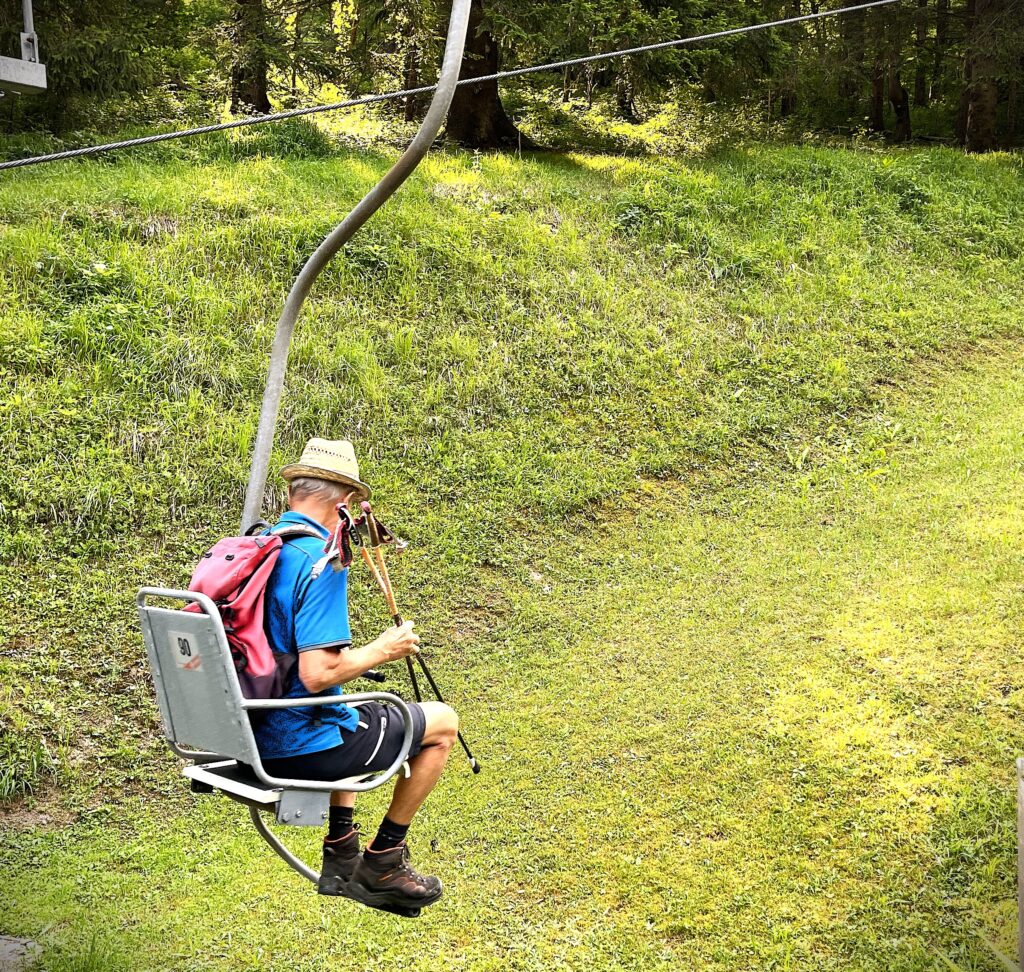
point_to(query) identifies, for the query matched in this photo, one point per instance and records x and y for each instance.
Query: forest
(949, 71)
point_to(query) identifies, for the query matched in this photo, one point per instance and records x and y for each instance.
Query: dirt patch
(41, 812)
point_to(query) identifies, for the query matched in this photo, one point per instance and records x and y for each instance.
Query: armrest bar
(345, 784)
(310, 700)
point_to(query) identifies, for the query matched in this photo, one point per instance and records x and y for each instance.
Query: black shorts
(369, 748)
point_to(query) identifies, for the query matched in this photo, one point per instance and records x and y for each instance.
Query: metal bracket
(29, 47)
(303, 808)
(286, 855)
(25, 75)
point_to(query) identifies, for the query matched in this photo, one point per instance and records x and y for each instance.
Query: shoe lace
(404, 868)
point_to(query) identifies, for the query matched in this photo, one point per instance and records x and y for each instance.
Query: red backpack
(234, 575)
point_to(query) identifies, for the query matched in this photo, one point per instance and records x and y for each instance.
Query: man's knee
(451, 723)
(442, 723)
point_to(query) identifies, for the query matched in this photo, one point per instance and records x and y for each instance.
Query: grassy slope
(517, 339)
(780, 735)
(520, 336)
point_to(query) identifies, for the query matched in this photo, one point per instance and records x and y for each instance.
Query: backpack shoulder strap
(288, 531)
(337, 548)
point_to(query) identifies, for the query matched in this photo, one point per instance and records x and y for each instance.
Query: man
(308, 617)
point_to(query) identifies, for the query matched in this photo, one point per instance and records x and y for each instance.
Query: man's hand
(397, 643)
(323, 668)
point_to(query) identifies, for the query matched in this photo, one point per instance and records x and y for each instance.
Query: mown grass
(518, 342)
(775, 729)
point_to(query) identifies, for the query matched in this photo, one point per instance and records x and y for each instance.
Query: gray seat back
(196, 687)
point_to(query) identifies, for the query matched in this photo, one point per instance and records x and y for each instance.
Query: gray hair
(308, 487)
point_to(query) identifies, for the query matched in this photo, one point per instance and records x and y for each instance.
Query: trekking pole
(395, 616)
(383, 579)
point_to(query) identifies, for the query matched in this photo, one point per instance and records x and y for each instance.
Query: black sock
(390, 835)
(339, 822)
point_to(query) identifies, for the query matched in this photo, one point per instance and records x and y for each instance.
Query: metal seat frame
(206, 719)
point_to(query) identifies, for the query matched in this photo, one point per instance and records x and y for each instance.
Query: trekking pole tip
(475, 765)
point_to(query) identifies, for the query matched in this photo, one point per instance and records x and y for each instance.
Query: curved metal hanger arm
(334, 241)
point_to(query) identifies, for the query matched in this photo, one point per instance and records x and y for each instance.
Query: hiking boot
(384, 880)
(340, 859)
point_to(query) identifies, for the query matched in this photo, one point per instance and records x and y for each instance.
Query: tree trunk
(249, 70)
(1013, 100)
(328, 15)
(983, 91)
(819, 31)
(960, 123)
(920, 68)
(787, 97)
(295, 54)
(941, 44)
(590, 72)
(625, 97)
(477, 117)
(876, 109)
(567, 73)
(899, 98)
(852, 30)
(981, 116)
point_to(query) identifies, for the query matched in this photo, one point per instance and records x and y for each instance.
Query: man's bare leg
(383, 877)
(426, 767)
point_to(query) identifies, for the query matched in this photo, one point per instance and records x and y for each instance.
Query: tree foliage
(948, 68)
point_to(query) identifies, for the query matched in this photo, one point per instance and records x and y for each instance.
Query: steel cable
(409, 92)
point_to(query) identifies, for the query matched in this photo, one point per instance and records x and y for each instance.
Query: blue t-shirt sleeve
(321, 612)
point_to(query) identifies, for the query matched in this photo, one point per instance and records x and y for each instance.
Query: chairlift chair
(25, 75)
(205, 717)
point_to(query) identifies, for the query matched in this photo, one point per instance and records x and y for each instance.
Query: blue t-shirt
(303, 614)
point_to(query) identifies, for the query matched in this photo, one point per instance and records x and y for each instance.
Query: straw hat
(334, 461)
